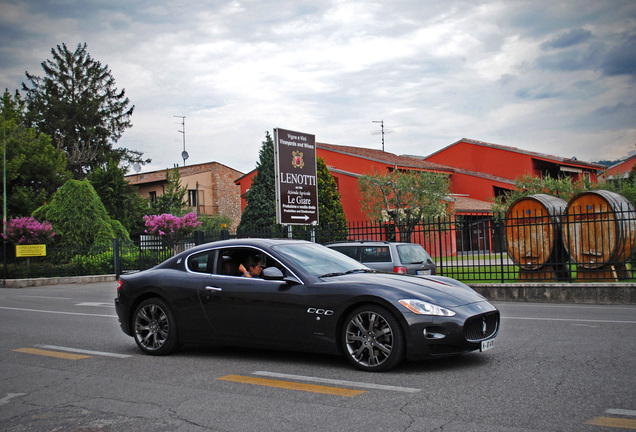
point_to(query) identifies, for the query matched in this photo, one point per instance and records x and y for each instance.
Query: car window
(318, 260)
(202, 262)
(350, 251)
(230, 260)
(376, 254)
(412, 254)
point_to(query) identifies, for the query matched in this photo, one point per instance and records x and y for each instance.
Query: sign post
(296, 179)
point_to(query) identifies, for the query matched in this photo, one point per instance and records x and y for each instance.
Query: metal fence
(565, 246)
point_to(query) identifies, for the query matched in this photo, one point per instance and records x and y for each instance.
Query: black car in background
(307, 298)
(392, 257)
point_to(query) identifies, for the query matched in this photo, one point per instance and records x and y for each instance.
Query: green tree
(332, 219)
(121, 199)
(78, 216)
(214, 223)
(405, 198)
(561, 187)
(172, 201)
(34, 167)
(260, 208)
(78, 105)
(625, 186)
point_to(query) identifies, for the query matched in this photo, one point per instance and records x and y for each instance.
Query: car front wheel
(373, 339)
(155, 327)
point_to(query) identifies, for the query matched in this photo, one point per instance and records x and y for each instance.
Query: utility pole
(184, 153)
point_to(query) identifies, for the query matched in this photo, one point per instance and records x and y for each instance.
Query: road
(66, 365)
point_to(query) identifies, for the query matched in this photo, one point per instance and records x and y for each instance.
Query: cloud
(535, 75)
(565, 40)
(621, 59)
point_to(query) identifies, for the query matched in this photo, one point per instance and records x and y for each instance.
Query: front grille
(481, 327)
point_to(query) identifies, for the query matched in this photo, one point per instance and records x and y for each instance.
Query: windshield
(318, 260)
(412, 254)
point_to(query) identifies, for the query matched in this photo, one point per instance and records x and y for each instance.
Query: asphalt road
(65, 365)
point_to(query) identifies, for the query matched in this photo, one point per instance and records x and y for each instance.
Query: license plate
(423, 272)
(487, 344)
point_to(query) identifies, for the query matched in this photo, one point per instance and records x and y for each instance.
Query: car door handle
(215, 289)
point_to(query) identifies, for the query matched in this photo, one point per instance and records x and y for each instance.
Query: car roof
(364, 242)
(257, 242)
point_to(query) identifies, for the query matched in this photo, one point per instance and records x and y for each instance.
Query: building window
(192, 197)
(153, 196)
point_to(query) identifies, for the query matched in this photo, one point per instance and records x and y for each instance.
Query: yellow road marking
(292, 385)
(47, 353)
(613, 422)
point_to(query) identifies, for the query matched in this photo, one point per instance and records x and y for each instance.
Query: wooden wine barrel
(533, 230)
(599, 229)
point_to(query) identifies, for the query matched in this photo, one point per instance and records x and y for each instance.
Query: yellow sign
(30, 250)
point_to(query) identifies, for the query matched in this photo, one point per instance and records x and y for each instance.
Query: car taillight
(119, 284)
(400, 270)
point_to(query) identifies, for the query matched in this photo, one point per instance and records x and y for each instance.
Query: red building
(511, 162)
(621, 169)
(478, 172)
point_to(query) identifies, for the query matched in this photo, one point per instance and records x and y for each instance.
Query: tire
(154, 327)
(373, 339)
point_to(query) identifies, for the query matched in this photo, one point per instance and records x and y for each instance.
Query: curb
(580, 293)
(25, 283)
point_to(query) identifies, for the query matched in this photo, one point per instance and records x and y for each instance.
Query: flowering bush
(171, 227)
(27, 230)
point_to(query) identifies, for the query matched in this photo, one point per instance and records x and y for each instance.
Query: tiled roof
(385, 157)
(465, 204)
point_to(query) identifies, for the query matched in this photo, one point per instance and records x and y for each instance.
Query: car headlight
(424, 308)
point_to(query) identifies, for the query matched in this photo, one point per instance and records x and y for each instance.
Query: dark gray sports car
(307, 298)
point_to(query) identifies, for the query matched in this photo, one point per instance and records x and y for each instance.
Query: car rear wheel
(373, 339)
(155, 327)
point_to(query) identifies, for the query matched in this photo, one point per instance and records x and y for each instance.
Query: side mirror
(272, 273)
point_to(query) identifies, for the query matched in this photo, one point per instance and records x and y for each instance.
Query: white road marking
(338, 382)
(5, 400)
(98, 304)
(57, 312)
(83, 351)
(623, 412)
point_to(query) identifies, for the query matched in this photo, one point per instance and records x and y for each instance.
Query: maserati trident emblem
(483, 326)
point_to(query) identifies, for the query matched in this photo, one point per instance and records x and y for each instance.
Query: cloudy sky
(554, 76)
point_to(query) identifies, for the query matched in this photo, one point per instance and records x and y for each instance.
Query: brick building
(211, 188)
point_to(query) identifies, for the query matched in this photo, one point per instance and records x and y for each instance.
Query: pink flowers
(27, 230)
(172, 227)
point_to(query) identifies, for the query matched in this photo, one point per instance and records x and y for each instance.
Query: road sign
(296, 180)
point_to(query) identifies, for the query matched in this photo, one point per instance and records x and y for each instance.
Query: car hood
(434, 290)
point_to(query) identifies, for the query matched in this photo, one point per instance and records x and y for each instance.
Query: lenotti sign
(296, 180)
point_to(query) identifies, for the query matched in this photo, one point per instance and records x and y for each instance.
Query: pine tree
(79, 217)
(78, 105)
(260, 209)
(333, 222)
